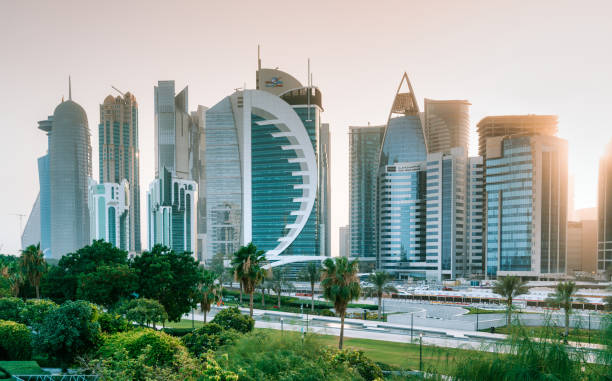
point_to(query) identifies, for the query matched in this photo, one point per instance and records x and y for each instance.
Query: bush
(273, 356)
(210, 337)
(15, 341)
(232, 318)
(10, 309)
(144, 311)
(327, 313)
(69, 331)
(35, 311)
(359, 361)
(177, 332)
(163, 347)
(112, 323)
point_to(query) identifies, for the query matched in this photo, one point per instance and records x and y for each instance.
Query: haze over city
(545, 57)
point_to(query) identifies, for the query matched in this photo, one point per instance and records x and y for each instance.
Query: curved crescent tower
(70, 170)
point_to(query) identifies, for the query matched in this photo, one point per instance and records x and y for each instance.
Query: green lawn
(185, 323)
(472, 311)
(575, 334)
(22, 367)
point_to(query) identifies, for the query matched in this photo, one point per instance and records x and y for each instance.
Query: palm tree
(32, 265)
(247, 264)
(12, 273)
(311, 274)
(564, 297)
(510, 287)
(340, 286)
(380, 285)
(208, 291)
(278, 281)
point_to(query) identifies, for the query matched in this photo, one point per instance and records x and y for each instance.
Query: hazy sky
(505, 57)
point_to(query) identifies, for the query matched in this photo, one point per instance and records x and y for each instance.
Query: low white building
(109, 217)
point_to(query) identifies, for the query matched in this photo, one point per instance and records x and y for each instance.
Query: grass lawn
(22, 367)
(185, 323)
(472, 311)
(575, 334)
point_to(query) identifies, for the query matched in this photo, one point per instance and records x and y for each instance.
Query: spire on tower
(69, 89)
(258, 58)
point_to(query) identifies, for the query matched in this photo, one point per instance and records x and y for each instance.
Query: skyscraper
(447, 125)
(69, 173)
(526, 204)
(401, 184)
(604, 212)
(364, 152)
(475, 219)
(119, 155)
(109, 211)
(172, 198)
(344, 241)
(267, 179)
(509, 125)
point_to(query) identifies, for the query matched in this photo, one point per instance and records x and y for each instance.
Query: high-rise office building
(401, 199)
(511, 125)
(604, 211)
(69, 171)
(526, 204)
(119, 155)
(475, 218)
(267, 176)
(364, 152)
(582, 248)
(109, 212)
(344, 241)
(172, 198)
(447, 125)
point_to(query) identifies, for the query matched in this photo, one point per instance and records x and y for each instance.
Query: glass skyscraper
(526, 204)
(447, 125)
(364, 152)
(604, 212)
(119, 155)
(267, 178)
(109, 211)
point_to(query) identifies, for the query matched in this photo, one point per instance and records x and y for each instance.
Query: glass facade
(447, 125)
(404, 141)
(604, 211)
(223, 180)
(475, 215)
(69, 172)
(45, 205)
(364, 151)
(119, 154)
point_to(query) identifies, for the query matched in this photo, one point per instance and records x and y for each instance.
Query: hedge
(15, 341)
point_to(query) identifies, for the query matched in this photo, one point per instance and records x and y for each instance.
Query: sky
(505, 57)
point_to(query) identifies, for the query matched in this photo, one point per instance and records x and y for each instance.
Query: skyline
(358, 85)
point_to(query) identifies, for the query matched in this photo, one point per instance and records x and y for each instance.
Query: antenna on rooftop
(117, 90)
(258, 58)
(69, 89)
(308, 89)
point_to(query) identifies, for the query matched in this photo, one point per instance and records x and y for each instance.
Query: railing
(55, 377)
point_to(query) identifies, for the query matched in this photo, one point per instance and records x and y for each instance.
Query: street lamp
(476, 318)
(421, 352)
(282, 325)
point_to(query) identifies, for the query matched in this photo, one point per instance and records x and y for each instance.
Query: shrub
(144, 311)
(177, 332)
(10, 309)
(15, 341)
(274, 356)
(163, 347)
(35, 311)
(231, 318)
(69, 331)
(359, 361)
(327, 313)
(112, 323)
(210, 337)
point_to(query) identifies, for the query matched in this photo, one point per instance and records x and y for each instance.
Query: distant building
(109, 212)
(581, 248)
(526, 203)
(475, 216)
(172, 213)
(364, 152)
(447, 125)
(61, 211)
(344, 239)
(604, 212)
(119, 155)
(512, 125)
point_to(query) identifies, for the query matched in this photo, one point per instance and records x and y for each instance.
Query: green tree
(247, 264)
(169, 277)
(68, 332)
(12, 273)
(15, 341)
(340, 286)
(231, 318)
(145, 311)
(563, 297)
(209, 337)
(311, 274)
(33, 266)
(380, 285)
(278, 282)
(107, 284)
(208, 291)
(34, 311)
(11, 308)
(62, 282)
(509, 287)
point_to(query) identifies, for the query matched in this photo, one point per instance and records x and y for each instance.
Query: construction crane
(119, 91)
